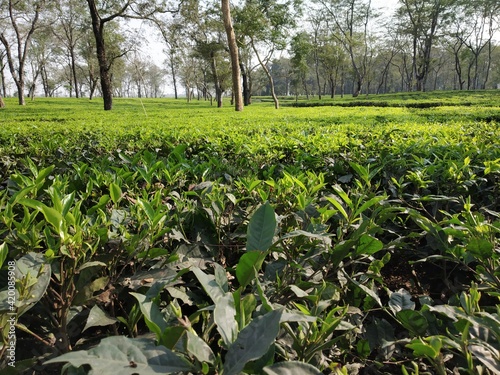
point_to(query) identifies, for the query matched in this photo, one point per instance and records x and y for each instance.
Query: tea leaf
(480, 248)
(401, 300)
(115, 192)
(369, 204)
(291, 368)
(261, 228)
(4, 251)
(487, 356)
(197, 347)
(253, 342)
(97, 317)
(225, 318)
(248, 265)
(209, 284)
(32, 266)
(146, 207)
(368, 245)
(413, 321)
(130, 356)
(421, 349)
(152, 314)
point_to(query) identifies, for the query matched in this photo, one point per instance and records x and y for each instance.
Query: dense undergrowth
(170, 237)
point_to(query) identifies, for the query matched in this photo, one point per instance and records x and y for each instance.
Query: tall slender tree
(267, 23)
(172, 35)
(421, 21)
(69, 29)
(24, 17)
(3, 55)
(233, 51)
(351, 21)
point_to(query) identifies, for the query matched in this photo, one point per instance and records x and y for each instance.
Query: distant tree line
(321, 48)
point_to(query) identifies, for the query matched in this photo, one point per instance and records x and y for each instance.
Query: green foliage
(310, 242)
(129, 355)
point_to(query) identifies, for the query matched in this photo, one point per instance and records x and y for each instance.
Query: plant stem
(27, 330)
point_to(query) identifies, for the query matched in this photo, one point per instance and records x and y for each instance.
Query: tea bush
(172, 237)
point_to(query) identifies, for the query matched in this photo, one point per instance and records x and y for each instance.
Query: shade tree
(476, 27)
(106, 11)
(44, 57)
(70, 28)
(21, 20)
(421, 21)
(300, 51)
(265, 25)
(233, 52)
(350, 21)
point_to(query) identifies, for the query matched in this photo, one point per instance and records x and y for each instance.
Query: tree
(98, 24)
(172, 35)
(70, 29)
(476, 29)
(333, 60)
(3, 55)
(316, 23)
(233, 51)
(421, 20)
(24, 17)
(246, 69)
(43, 55)
(454, 43)
(211, 51)
(300, 49)
(210, 47)
(154, 78)
(139, 9)
(268, 23)
(351, 19)
(90, 65)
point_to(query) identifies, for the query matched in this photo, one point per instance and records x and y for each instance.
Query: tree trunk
(93, 83)
(421, 83)
(357, 88)
(2, 104)
(332, 87)
(104, 67)
(488, 65)
(73, 71)
(20, 93)
(233, 51)
(318, 81)
(246, 88)
(45, 82)
(358, 77)
(342, 83)
(268, 74)
(215, 77)
(304, 83)
(2, 77)
(317, 63)
(458, 68)
(174, 77)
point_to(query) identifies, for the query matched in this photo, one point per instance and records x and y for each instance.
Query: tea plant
(329, 239)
